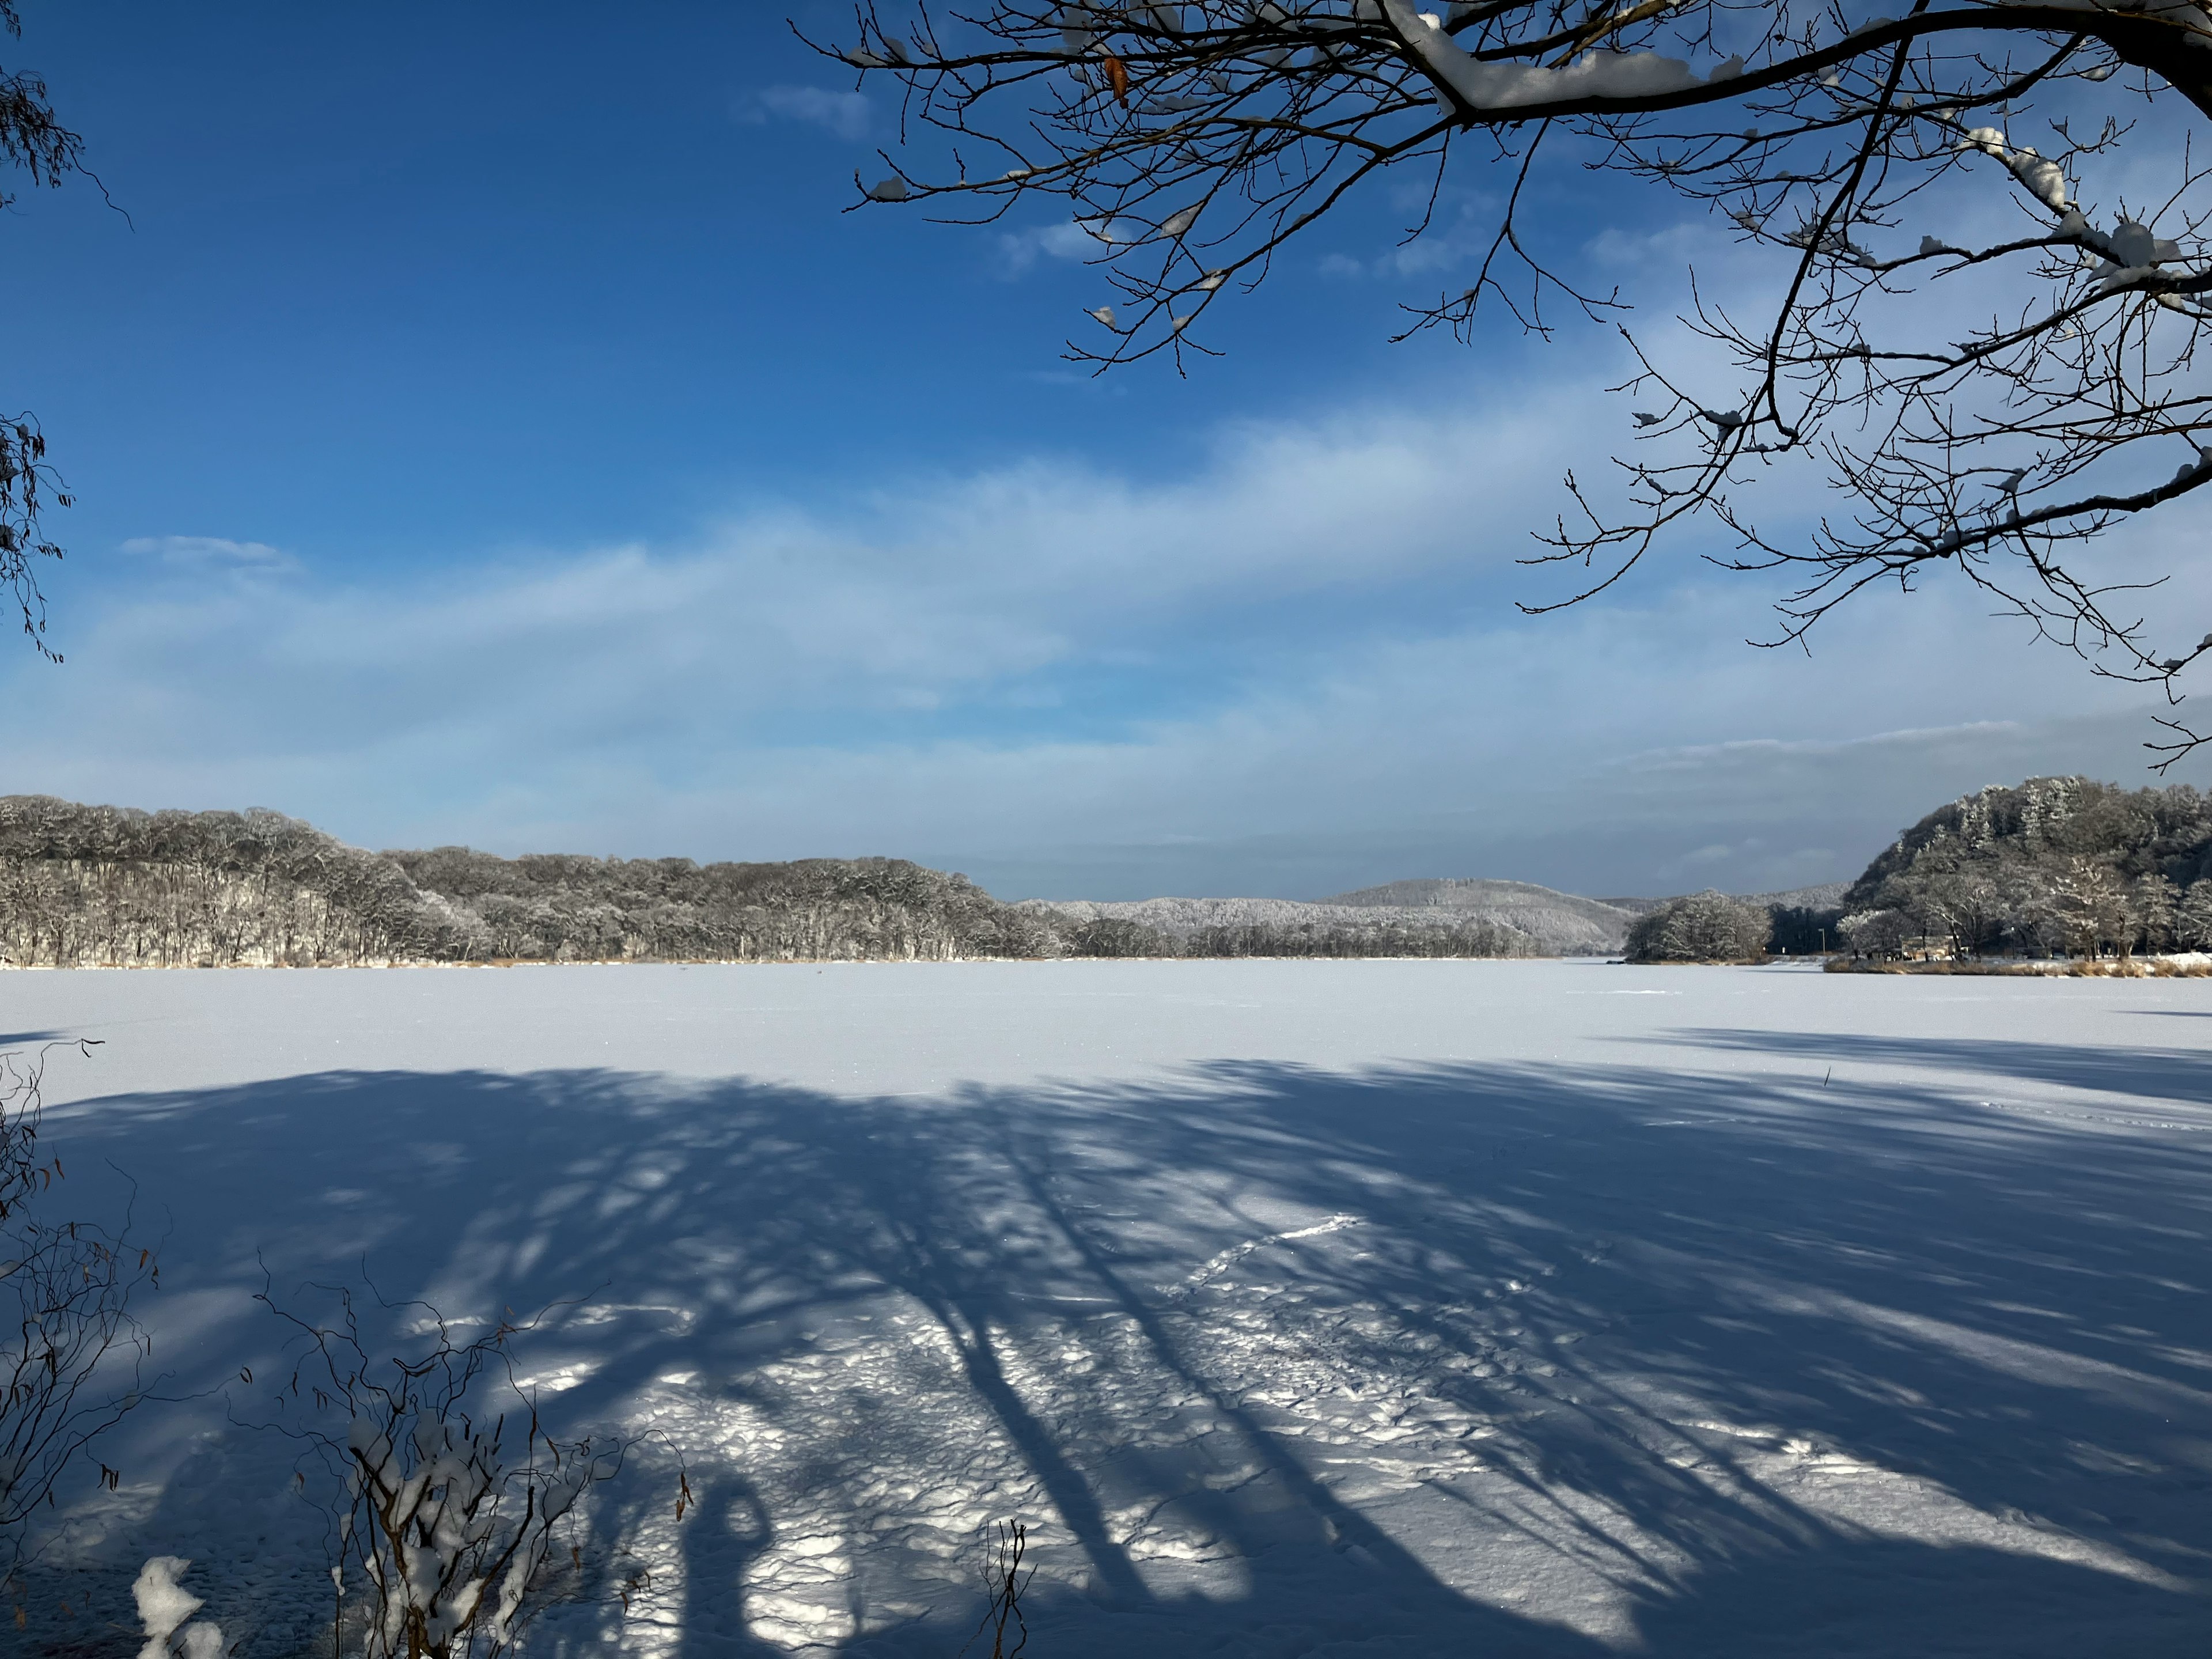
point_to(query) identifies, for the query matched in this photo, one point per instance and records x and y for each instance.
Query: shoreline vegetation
(2054, 878)
(2189, 965)
(2031, 878)
(109, 887)
(403, 965)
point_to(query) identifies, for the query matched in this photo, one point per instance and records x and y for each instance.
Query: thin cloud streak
(843, 114)
(212, 553)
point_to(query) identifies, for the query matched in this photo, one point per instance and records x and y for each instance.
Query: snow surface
(1342, 1308)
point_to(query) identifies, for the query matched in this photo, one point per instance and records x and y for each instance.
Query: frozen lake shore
(1549, 1308)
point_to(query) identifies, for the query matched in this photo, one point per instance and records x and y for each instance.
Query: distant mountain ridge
(1822, 895)
(1552, 923)
(1565, 922)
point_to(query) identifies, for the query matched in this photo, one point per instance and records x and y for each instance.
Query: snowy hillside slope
(1556, 924)
(1305, 1310)
(2048, 822)
(1822, 895)
(1564, 923)
(1224, 927)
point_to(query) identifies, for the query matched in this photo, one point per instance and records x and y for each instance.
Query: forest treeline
(2053, 866)
(88, 886)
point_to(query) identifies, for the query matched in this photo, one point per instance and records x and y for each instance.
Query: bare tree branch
(72, 1356)
(33, 142)
(1195, 141)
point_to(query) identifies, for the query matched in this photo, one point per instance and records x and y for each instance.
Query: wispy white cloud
(206, 553)
(1020, 250)
(1701, 755)
(844, 114)
(1434, 234)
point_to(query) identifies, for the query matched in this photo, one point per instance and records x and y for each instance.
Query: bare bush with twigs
(456, 1510)
(72, 1356)
(1004, 1582)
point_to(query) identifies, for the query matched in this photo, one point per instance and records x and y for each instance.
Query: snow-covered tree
(1978, 224)
(2151, 904)
(1947, 893)
(1879, 933)
(2090, 906)
(2192, 920)
(1706, 927)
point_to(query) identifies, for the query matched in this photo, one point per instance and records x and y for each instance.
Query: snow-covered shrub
(1706, 927)
(455, 1508)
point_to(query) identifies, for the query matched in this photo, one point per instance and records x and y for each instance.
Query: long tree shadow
(1521, 1359)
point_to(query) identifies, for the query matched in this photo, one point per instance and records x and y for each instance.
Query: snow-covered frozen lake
(1378, 1309)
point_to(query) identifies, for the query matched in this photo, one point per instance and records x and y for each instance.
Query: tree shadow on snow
(2157, 1073)
(1746, 1364)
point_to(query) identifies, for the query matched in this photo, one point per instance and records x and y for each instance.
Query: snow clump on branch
(164, 1605)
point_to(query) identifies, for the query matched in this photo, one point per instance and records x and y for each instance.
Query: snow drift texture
(1305, 1310)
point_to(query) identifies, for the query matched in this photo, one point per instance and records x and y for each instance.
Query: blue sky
(487, 428)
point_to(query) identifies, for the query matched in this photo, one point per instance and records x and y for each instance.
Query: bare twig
(454, 1514)
(1005, 1581)
(71, 1357)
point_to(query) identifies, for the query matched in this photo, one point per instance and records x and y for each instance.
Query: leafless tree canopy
(1990, 405)
(40, 148)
